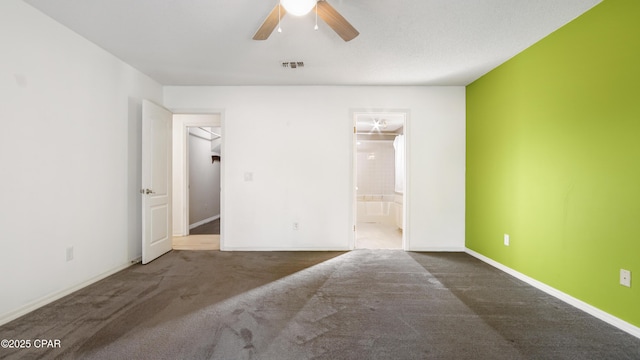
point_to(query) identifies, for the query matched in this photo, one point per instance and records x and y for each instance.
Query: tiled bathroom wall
(375, 168)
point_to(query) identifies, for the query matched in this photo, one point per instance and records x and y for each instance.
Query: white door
(156, 181)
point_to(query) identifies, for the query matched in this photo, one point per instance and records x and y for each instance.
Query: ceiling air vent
(292, 64)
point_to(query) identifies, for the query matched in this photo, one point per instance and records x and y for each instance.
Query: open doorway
(197, 173)
(203, 179)
(379, 163)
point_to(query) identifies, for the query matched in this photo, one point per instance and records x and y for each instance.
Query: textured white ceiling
(403, 42)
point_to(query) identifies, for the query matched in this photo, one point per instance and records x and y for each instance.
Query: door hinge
(354, 228)
(354, 129)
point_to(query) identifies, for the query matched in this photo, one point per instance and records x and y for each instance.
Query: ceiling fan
(324, 10)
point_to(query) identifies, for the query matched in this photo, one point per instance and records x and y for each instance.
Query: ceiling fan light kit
(302, 7)
(298, 7)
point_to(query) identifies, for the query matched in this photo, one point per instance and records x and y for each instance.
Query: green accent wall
(553, 159)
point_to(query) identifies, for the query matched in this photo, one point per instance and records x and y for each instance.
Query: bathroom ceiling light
(377, 124)
(298, 7)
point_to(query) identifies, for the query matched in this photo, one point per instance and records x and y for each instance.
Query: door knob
(147, 191)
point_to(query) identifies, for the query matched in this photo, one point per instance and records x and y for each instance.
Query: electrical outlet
(506, 239)
(625, 277)
(70, 253)
(296, 226)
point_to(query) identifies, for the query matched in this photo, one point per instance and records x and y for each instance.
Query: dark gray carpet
(364, 304)
(212, 227)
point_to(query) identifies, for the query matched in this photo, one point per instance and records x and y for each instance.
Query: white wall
(70, 158)
(296, 143)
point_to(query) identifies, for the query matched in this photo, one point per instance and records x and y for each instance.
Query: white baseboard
(47, 299)
(589, 309)
(202, 222)
(438, 249)
(253, 248)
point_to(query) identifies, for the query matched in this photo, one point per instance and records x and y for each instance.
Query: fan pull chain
(279, 6)
(316, 27)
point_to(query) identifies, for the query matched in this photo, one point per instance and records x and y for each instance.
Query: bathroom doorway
(379, 172)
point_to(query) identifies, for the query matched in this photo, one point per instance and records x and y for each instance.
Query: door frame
(182, 121)
(407, 169)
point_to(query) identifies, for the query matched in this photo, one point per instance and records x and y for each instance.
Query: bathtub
(382, 209)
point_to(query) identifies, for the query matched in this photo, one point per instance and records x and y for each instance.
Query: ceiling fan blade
(270, 23)
(336, 21)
